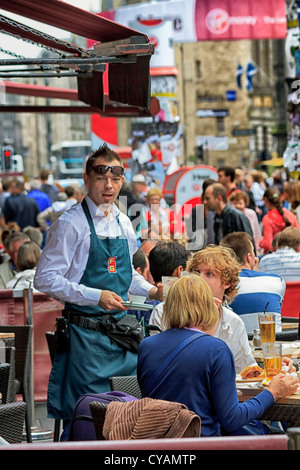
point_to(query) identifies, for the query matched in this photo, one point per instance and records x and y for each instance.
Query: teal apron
(93, 357)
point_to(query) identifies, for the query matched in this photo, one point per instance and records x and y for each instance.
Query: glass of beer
(167, 281)
(267, 327)
(272, 355)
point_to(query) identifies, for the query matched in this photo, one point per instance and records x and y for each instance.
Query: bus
(68, 158)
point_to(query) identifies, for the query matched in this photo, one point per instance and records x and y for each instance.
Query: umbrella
(276, 161)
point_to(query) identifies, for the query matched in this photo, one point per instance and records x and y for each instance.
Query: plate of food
(251, 374)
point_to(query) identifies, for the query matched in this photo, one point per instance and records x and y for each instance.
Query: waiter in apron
(87, 265)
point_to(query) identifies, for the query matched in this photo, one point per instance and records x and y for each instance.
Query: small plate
(136, 299)
(247, 381)
(135, 306)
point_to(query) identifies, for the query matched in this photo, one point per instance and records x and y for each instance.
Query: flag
(238, 74)
(142, 154)
(251, 71)
(173, 166)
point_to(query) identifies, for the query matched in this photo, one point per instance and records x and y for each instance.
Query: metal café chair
(12, 417)
(7, 376)
(51, 346)
(10, 358)
(23, 349)
(127, 384)
(287, 335)
(4, 382)
(98, 412)
(284, 413)
(152, 328)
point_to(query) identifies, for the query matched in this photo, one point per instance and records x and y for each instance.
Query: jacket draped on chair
(149, 419)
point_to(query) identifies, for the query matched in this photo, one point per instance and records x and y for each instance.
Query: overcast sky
(27, 50)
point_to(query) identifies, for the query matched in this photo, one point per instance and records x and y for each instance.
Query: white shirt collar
(96, 211)
(224, 323)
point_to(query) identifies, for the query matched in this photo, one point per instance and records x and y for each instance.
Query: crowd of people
(90, 247)
(27, 210)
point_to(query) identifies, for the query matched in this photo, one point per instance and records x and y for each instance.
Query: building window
(198, 69)
(220, 125)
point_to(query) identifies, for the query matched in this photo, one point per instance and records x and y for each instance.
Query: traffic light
(199, 152)
(7, 154)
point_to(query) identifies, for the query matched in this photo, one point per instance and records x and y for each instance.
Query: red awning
(70, 18)
(39, 90)
(125, 53)
(110, 108)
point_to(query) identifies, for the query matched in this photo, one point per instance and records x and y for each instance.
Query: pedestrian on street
(20, 208)
(50, 189)
(35, 193)
(227, 219)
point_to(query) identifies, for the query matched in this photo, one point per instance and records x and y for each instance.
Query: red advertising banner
(236, 19)
(166, 22)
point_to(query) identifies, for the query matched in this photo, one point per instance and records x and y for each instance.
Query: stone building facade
(222, 123)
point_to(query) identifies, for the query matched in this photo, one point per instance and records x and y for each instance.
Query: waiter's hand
(111, 301)
(156, 293)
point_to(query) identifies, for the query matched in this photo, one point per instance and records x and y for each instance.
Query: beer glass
(267, 327)
(272, 356)
(167, 281)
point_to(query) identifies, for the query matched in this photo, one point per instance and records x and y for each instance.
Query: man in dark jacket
(227, 218)
(20, 208)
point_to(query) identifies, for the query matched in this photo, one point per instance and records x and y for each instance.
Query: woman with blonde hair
(194, 305)
(201, 373)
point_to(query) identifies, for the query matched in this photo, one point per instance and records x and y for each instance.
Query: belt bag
(126, 332)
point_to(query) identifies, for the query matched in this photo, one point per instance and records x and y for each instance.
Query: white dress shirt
(232, 331)
(65, 255)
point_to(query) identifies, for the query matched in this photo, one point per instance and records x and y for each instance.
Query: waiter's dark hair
(104, 152)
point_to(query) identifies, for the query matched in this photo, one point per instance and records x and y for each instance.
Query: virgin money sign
(235, 19)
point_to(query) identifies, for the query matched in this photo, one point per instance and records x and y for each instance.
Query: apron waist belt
(86, 322)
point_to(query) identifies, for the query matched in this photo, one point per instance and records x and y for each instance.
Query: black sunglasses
(103, 169)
